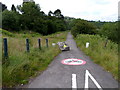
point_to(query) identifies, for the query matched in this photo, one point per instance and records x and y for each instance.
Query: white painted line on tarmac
(87, 74)
(74, 82)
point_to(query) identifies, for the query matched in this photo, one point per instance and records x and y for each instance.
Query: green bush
(6, 33)
(82, 27)
(110, 30)
(10, 20)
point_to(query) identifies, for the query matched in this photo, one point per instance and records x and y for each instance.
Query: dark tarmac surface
(59, 75)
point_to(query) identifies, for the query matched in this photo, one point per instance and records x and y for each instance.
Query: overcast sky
(104, 10)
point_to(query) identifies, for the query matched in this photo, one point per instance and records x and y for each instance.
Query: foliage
(29, 16)
(107, 56)
(50, 13)
(58, 14)
(110, 30)
(82, 27)
(98, 24)
(6, 33)
(13, 8)
(10, 20)
(2, 7)
(69, 22)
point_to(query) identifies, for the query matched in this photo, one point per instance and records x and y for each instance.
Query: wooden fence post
(27, 45)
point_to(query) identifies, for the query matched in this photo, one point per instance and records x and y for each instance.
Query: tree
(42, 13)
(2, 7)
(82, 27)
(57, 13)
(110, 30)
(29, 16)
(30, 12)
(50, 13)
(13, 8)
(10, 20)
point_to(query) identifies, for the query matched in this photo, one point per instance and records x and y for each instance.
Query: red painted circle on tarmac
(73, 61)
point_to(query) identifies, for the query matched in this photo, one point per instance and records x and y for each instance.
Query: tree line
(104, 29)
(29, 16)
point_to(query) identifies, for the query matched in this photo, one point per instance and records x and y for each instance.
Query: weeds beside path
(24, 65)
(107, 56)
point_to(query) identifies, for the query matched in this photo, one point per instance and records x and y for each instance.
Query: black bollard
(39, 43)
(46, 42)
(5, 48)
(27, 45)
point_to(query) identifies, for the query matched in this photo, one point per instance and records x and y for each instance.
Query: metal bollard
(46, 42)
(39, 43)
(5, 48)
(27, 45)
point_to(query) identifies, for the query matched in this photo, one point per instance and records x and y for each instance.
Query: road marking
(87, 74)
(73, 61)
(74, 82)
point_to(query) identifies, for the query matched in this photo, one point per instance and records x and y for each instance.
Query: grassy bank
(22, 65)
(107, 56)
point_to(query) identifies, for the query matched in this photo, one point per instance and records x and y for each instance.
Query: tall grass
(107, 56)
(23, 65)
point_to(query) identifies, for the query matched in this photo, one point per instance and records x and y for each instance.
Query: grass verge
(23, 65)
(107, 56)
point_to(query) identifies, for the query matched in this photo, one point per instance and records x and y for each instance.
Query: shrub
(83, 27)
(4, 32)
(110, 30)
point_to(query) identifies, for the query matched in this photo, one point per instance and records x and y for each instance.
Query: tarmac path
(89, 75)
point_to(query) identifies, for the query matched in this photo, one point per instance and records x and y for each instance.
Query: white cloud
(105, 10)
